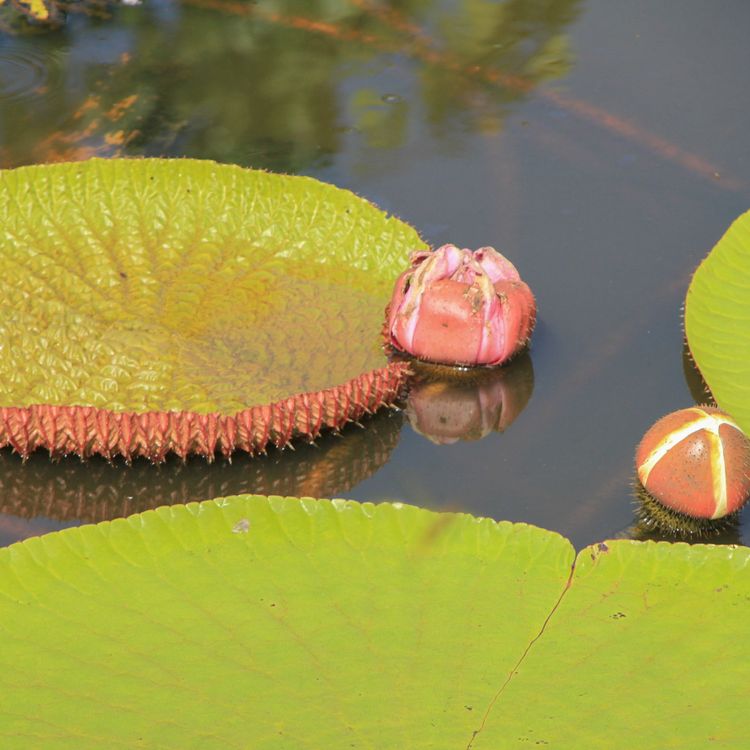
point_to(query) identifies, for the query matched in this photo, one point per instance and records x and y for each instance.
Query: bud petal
(496, 265)
(461, 307)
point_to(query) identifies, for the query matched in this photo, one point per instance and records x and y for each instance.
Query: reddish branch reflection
(171, 92)
(476, 58)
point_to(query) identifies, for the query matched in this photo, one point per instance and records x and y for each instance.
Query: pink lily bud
(459, 307)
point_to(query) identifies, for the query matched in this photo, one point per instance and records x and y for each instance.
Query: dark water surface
(602, 146)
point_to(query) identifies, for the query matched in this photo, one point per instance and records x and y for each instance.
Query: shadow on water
(700, 392)
(73, 491)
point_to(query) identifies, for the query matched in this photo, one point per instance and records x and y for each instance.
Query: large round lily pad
(251, 622)
(167, 298)
(717, 321)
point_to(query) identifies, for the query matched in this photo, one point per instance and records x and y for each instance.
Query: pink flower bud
(459, 307)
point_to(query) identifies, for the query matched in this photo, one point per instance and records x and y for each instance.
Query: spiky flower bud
(697, 462)
(459, 307)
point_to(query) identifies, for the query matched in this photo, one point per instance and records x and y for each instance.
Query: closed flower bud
(459, 307)
(696, 462)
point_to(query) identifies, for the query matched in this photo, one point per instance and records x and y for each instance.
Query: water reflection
(96, 490)
(469, 406)
(24, 73)
(162, 78)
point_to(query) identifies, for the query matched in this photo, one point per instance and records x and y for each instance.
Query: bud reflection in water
(446, 407)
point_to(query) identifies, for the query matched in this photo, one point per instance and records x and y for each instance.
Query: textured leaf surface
(277, 623)
(248, 623)
(717, 321)
(185, 285)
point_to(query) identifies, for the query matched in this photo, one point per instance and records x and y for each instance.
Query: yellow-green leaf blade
(645, 650)
(250, 622)
(157, 285)
(717, 320)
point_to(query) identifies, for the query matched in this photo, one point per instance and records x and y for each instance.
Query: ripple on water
(26, 72)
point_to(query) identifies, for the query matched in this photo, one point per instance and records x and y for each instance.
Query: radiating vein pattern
(165, 288)
(155, 285)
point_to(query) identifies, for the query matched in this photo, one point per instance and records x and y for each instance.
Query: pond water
(602, 146)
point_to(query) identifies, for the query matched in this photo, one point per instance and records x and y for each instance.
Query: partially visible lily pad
(283, 623)
(268, 623)
(163, 287)
(717, 321)
(642, 652)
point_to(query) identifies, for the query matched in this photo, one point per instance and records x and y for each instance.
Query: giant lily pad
(153, 306)
(717, 321)
(279, 623)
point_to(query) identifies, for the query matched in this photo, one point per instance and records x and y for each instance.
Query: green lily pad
(157, 287)
(279, 623)
(717, 321)
(642, 652)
